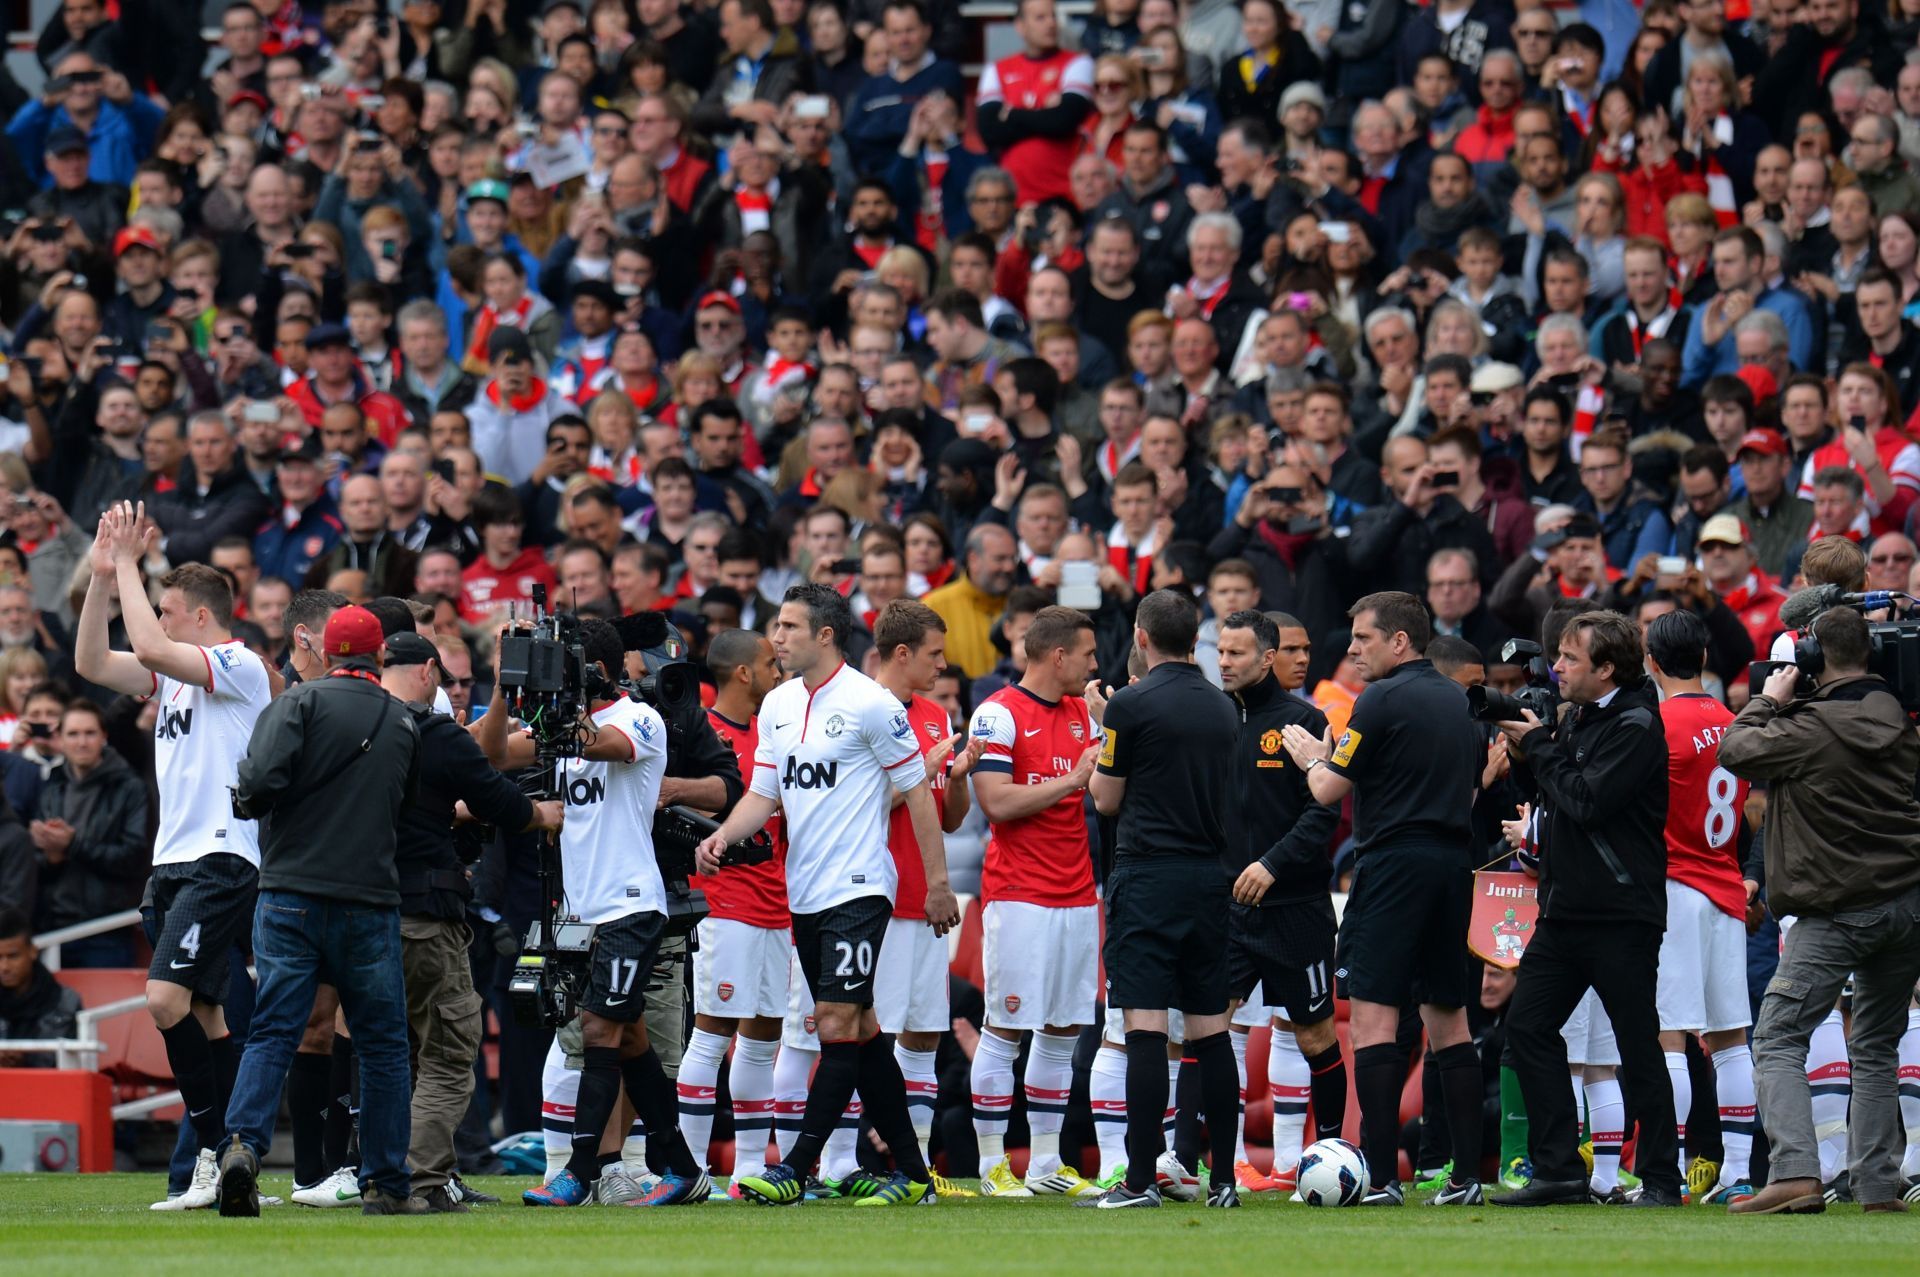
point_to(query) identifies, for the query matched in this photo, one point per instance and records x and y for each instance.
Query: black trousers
(1619, 962)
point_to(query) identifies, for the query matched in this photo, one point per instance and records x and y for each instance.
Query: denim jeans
(1879, 945)
(300, 941)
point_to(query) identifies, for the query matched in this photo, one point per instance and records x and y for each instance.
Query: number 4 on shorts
(190, 942)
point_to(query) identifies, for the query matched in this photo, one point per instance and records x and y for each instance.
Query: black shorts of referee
(1166, 933)
(1403, 937)
(1287, 950)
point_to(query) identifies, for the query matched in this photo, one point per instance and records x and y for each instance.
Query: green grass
(99, 1226)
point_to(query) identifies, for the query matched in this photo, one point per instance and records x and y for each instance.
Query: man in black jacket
(329, 905)
(1392, 543)
(217, 499)
(1281, 929)
(1600, 775)
(444, 1012)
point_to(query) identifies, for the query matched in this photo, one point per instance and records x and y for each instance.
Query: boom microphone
(641, 632)
(1802, 606)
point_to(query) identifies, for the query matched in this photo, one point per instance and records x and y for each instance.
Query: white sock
(633, 1151)
(993, 1096)
(1049, 1080)
(1682, 1101)
(1910, 1092)
(752, 1085)
(1583, 1127)
(1733, 1082)
(1237, 1039)
(1607, 1115)
(559, 1088)
(792, 1072)
(699, 1088)
(1292, 1084)
(1107, 1091)
(923, 1090)
(1173, 1090)
(838, 1159)
(1830, 1074)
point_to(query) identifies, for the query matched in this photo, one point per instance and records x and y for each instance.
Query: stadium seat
(135, 1056)
(967, 962)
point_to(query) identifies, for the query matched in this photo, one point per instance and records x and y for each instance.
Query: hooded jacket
(44, 1009)
(1843, 829)
(1601, 775)
(106, 864)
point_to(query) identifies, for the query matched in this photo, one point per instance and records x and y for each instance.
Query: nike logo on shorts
(614, 1002)
(851, 985)
(179, 965)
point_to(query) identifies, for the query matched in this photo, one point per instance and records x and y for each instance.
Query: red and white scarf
(489, 319)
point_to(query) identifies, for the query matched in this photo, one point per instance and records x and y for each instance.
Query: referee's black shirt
(1414, 756)
(1171, 738)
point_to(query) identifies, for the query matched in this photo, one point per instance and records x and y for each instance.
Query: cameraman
(1842, 826)
(1600, 772)
(612, 880)
(444, 1013)
(334, 766)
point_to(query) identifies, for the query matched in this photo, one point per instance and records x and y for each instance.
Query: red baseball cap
(353, 631)
(254, 96)
(1765, 441)
(718, 298)
(136, 237)
(1760, 381)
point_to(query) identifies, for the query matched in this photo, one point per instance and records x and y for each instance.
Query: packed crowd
(670, 308)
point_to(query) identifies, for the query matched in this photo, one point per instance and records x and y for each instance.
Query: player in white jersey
(612, 880)
(209, 690)
(833, 745)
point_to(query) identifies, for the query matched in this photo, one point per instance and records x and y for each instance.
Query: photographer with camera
(611, 881)
(1600, 773)
(334, 766)
(444, 1013)
(1842, 824)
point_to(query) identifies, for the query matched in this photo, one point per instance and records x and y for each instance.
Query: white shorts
(1254, 1012)
(740, 970)
(1589, 1034)
(797, 1030)
(1115, 1029)
(1041, 964)
(910, 979)
(1703, 966)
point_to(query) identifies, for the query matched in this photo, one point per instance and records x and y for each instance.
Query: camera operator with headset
(612, 881)
(1841, 829)
(1600, 772)
(444, 1012)
(333, 765)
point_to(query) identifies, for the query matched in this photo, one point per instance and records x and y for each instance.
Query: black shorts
(623, 955)
(1166, 934)
(839, 946)
(201, 909)
(1403, 938)
(1287, 949)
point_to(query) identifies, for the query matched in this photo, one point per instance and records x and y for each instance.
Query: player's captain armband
(1106, 748)
(1344, 747)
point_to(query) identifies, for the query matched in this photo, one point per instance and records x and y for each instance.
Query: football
(1332, 1173)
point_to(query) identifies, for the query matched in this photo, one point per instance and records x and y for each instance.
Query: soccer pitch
(99, 1226)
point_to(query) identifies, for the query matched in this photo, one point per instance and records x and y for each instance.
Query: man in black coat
(1599, 776)
(214, 499)
(1391, 543)
(1281, 528)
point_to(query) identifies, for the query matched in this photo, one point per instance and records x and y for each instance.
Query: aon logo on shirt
(582, 790)
(802, 775)
(173, 724)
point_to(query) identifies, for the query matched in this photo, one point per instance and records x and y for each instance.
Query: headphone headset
(1807, 652)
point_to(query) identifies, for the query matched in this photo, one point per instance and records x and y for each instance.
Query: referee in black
(1163, 770)
(1411, 758)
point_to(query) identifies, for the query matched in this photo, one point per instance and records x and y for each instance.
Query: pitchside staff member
(444, 1013)
(1411, 757)
(833, 744)
(1601, 776)
(611, 879)
(1163, 770)
(332, 763)
(1281, 927)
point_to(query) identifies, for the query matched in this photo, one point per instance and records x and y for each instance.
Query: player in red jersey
(1703, 957)
(740, 968)
(910, 981)
(1040, 926)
